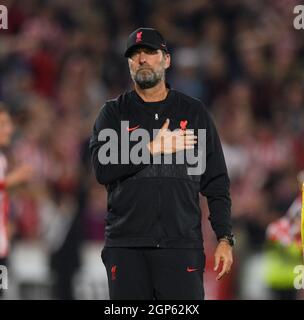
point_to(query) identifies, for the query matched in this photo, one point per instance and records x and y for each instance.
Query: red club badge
(113, 271)
(138, 36)
(183, 124)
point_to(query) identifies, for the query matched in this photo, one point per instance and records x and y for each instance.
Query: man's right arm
(19, 175)
(166, 141)
(108, 118)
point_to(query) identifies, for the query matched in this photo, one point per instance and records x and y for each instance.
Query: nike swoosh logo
(131, 129)
(191, 270)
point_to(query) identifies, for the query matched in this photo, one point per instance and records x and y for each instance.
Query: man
(16, 177)
(283, 250)
(153, 241)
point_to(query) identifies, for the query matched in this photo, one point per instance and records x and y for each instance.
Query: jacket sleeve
(215, 183)
(108, 118)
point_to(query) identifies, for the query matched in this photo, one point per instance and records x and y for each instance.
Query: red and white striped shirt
(287, 229)
(4, 209)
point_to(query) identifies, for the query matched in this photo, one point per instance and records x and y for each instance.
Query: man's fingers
(188, 147)
(220, 275)
(180, 148)
(165, 125)
(186, 138)
(225, 269)
(185, 132)
(193, 138)
(186, 135)
(217, 262)
(180, 145)
(174, 141)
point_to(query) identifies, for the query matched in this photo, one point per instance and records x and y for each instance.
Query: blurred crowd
(61, 60)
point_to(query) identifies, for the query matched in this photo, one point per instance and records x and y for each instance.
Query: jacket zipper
(158, 209)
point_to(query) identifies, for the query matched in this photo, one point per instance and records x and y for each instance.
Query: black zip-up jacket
(157, 205)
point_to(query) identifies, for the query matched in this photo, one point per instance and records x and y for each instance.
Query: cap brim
(141, 44)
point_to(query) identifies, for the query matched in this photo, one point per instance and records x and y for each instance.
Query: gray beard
(147, 79)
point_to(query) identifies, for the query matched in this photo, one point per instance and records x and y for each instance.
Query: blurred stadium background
(61, 60)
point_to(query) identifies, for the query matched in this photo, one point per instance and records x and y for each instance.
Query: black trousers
(3, 262)
(154, 273)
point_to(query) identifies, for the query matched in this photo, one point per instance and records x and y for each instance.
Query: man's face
(6, 129)
(147, 66)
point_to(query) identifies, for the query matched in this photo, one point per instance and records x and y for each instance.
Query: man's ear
(167, 60)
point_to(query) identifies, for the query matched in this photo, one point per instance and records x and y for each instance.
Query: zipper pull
(156, 116)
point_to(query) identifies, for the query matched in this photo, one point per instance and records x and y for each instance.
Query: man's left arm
(214, 186)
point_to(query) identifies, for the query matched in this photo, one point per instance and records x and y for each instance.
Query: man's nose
(142, 57)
